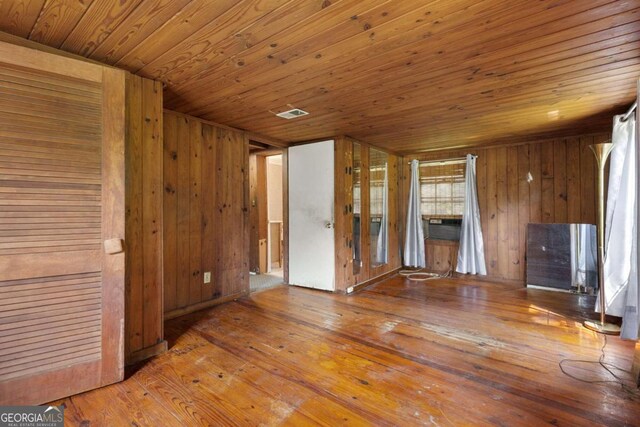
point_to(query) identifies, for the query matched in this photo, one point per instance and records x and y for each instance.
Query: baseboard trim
(146, 353)
(373, 281)
(493, 279)
(203, 305)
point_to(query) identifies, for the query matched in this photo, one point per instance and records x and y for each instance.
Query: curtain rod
(454, 159)
(630, 111)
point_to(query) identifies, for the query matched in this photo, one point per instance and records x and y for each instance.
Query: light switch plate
(207, 277)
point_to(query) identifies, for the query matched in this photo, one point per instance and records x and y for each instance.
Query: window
(442, 188)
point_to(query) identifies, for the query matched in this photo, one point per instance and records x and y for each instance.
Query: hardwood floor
(446, 352)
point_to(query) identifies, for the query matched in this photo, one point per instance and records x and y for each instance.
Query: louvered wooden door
(61, 197)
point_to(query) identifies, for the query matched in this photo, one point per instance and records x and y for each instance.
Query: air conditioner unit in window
(442, 228)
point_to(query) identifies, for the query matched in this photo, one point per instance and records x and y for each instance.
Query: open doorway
(267, 231)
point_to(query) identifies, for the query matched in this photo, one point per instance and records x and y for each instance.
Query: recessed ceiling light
(292, 114)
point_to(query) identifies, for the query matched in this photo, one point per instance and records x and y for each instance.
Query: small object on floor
(417, 275)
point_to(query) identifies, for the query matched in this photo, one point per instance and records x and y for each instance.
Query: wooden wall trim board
(365, 284)
(206, 211)
(144, 218)
(203, 305)
(562, 189)
(19, 41)
(147, 353)
(343, 216)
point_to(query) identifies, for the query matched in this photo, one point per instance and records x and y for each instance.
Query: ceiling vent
(292, 114)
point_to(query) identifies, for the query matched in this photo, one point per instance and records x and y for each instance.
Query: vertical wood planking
(535, 187)
(502, 203)
(152, 151)
(365, 208)
(134, 280)
(588, 179)
(183, 215)
(573, 180)
(481, 179)
(562, 189)
(170, 206)
(560, 180)
(208, 185)
(211, 225)
(195, 211)
(394, 210)
(343, 218)
(231, 180)
(243, 142)
(513, 204)
(340, 212)
(491, 240)
(523, 204)
(145, 225)
(547, 197)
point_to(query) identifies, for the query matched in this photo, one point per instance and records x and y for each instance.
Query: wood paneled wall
(441, 255)
(345, 276)
(206, 214)
(562, 190)
(143, 205)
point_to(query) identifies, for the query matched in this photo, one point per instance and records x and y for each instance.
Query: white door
(311, 238)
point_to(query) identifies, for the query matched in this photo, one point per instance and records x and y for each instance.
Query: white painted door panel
(311, 234)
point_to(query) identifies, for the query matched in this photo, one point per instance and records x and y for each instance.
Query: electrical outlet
(207, 277)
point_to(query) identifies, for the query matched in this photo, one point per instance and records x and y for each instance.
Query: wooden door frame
(273, 151)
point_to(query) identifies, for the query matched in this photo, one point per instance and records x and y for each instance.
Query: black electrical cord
(609, 367)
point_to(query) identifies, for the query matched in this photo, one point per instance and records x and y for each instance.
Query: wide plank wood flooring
(445, 353)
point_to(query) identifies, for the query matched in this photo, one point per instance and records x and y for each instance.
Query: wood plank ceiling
(404, 75)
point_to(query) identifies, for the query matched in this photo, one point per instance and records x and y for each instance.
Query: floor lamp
(601, 152)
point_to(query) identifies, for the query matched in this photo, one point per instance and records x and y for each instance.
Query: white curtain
(620, 264)
(414, 237)
(383, 235)
(471, 252)
(583, 255)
